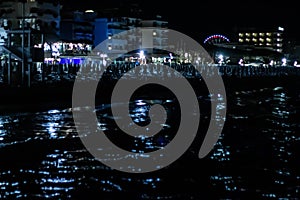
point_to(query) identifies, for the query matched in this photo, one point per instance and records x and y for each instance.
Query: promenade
(54, 86)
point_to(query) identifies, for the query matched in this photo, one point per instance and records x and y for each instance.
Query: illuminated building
(77, 26)
(267, 38)
(41, 15)
(108, 28)
(69, 32)
(160, 35)
(37, 20)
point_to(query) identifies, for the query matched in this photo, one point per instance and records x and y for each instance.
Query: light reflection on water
(42, 157)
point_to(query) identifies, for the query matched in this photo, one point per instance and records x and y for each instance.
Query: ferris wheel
(216, 39)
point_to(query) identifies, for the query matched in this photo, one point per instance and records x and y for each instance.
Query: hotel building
(266, 38)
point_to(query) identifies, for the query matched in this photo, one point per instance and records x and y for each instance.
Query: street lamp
(23, 41)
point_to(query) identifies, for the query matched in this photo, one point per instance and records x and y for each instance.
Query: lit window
(241, 40)
(268, 34)
(247, 40)
(248, 34)
(241, 34)
(254, 34)
(268, 39)
(262, 34)
(254, 40)
(261, 40)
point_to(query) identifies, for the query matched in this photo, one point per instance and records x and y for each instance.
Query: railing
(253, 71)
(66, 72)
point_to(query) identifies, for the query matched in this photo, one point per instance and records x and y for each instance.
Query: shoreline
(60, 96)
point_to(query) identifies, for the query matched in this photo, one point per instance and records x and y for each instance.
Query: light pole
(23, 42)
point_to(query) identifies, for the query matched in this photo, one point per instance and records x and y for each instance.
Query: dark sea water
(256, 157)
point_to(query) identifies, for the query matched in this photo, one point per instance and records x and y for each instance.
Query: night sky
(199, 19)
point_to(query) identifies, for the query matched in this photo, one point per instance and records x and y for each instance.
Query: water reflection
(284, 138)
(256, 156)
(42, 157)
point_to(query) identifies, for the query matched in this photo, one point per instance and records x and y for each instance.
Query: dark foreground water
(256, 157)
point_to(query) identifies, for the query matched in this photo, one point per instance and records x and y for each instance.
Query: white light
(89, 11)
(154, 33)
(296, 64)
(241, 61)
(221, 57)
(142, 55)
(280, 28)
(284, 61)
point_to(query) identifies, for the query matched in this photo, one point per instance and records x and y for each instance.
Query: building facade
(265, 38)
(78, 26)
(109, 28)
(72, 31)
(40, 15)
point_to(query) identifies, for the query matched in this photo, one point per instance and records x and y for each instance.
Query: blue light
(76, 61)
